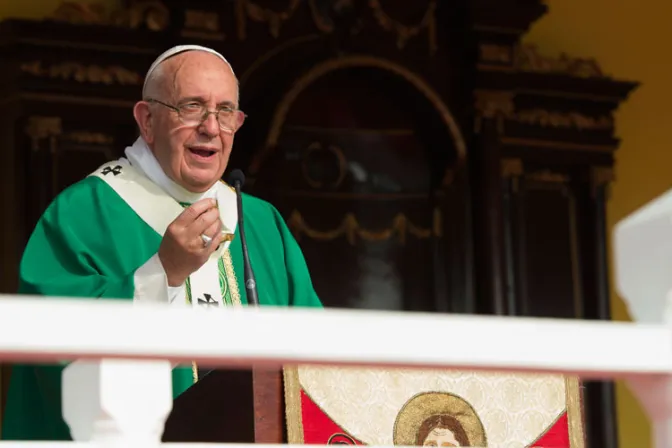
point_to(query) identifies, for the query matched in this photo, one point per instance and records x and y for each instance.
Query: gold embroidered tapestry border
(506, 385)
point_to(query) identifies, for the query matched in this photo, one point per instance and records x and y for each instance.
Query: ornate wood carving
(576, 120)
(601, 177)
(202, 25)
(405, 32)
(88, 137)
(83, 73)
(493, 103)
(493, 53)
(350, 227)
(528, 58)
(274, 19)
(501, 105)
(149, 14)
(547, 176)
(39, 128)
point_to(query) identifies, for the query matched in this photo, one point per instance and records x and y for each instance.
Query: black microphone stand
(237, 179)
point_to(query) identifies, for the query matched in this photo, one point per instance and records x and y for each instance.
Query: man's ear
(143, 118)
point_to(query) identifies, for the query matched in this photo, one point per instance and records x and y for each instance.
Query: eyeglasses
(194, 113)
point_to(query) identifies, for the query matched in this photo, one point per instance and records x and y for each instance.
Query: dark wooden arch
(343, 63)
(441, 198)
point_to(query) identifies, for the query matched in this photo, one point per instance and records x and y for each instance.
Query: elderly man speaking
(157, 226)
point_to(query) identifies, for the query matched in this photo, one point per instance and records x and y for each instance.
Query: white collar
(142, 158)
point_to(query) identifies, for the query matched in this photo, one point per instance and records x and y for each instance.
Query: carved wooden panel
(543, 253)
(57, 157)
(362, 184)
(10, 189)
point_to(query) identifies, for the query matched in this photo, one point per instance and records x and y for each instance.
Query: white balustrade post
(117, 403)
(655, 394)
(643, 258)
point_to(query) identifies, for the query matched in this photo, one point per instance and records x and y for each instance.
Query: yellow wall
(628, 38)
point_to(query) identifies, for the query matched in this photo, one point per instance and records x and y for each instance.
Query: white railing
(152, 337)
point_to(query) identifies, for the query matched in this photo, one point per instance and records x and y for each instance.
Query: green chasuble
(89, 243)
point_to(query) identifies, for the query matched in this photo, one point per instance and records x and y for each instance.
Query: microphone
(237, 180)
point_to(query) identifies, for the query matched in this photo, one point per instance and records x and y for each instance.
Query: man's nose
(210, 126)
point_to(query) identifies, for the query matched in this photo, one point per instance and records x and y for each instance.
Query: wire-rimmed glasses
(194, 113)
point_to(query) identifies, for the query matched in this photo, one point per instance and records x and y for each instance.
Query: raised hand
(190, 240)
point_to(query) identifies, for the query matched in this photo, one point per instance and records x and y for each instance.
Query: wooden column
(600, 396)
(512, 170)
(458, 244)
(491, 282)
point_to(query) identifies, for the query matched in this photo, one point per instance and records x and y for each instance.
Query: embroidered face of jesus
(192, 154)
(442, 431)
(441, 438)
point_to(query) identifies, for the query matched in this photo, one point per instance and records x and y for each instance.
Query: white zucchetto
(177, 50)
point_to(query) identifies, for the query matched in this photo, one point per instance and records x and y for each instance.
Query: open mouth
(205, 153)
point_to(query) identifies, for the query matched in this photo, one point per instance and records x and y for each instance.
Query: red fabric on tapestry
(318, 429)
(557, 436)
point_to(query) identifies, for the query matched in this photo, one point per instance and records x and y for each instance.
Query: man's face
(193, 156)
